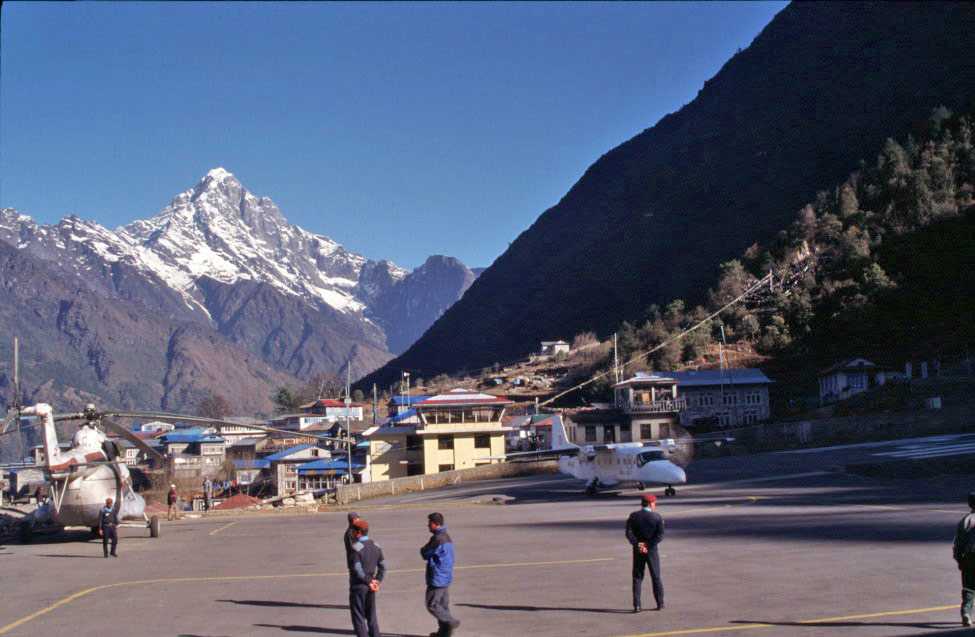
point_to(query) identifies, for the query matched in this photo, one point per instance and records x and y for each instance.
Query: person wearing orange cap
(365, 577)
(645, 530)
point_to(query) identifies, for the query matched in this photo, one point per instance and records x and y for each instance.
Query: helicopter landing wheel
(670, 492)
(95, 533)
(154, 526)
(641, 486)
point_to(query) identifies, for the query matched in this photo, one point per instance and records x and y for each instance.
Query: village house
(403, 402)
(236, 432)
(553, 348)
(299, 422)
(283, 466)
(723, 398)
(850, 377)
(327, 473)
(194, 453)
(334, 410)
(457, 430)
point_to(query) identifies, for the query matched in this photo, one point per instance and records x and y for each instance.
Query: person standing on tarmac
(963, 551)
(439, 554)
(349, 537)
(365, 575)
(645, 530)
(108, 525)
(172, 499)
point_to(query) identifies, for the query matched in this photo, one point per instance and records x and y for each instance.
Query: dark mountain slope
(823, 85)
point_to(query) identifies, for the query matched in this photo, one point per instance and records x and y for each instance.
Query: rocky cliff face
(406, 310)
(820, 88)
(216, 292)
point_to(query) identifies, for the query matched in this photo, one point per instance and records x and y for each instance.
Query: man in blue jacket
(439, 554)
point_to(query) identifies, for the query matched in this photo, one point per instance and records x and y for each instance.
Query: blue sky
(399, 130)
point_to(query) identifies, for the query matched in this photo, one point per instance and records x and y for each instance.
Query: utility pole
(616, 359)
(16, 402)
(375, 402)
(348, 427)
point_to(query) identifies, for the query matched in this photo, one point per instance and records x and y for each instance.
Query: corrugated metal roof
(400, 417)
(281, 455)
(337, 464)
(399, 401)
(711, 377)
(181, 438)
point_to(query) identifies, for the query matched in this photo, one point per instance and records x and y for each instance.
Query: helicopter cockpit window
(649, 456)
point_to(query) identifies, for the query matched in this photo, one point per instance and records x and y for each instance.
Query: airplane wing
(541, 454)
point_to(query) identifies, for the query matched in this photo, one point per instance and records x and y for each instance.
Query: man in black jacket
(366, 573)
(645, 530)
(108, 525)
(349, 537)
(964, 553)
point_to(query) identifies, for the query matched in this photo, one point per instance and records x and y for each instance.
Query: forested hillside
(822, 86)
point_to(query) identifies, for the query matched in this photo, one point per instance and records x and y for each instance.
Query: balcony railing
(657, 406)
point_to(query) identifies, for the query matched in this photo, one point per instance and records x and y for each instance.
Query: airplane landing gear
(670, 491)
(592, 487)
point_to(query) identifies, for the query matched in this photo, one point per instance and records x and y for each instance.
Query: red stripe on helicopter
(90, 457)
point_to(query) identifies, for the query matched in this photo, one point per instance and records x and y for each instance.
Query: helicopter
(82, 477)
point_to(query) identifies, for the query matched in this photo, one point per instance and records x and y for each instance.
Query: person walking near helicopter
(108, 525)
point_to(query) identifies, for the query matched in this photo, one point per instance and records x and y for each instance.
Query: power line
(767, 279)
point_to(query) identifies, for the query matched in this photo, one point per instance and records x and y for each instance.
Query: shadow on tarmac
(328, 631)
(71, 556)
(549, 608)
(265, 602)
(850, 624)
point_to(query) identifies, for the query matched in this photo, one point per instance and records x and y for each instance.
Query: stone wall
(344, 494)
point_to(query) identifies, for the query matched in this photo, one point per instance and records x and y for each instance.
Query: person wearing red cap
(365, 577)
(645, 530)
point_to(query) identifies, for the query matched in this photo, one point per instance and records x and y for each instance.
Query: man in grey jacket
(365, 575)
(963, 551)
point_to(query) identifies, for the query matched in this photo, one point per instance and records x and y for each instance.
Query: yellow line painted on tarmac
(820, 620)
(225, 526)
(231, 578)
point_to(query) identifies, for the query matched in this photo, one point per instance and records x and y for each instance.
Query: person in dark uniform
(349, 537)
(439, 554)
(108, 525)
(645, 530)
(963, 551)
(365, 575)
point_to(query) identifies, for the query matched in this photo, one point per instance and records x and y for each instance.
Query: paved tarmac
(775, 544)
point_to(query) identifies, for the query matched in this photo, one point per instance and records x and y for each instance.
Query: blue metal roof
(338, 464)
(281, 455)
(255, 463)
(399, 401)
(189, 438)
(409, 413)
(712, 377)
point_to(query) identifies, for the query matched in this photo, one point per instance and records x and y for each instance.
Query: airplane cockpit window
(649, 456)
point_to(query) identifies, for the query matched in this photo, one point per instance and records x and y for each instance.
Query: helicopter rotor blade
(118, 429)
(214, 422)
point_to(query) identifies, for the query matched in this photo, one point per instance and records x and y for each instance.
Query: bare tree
(213, 406)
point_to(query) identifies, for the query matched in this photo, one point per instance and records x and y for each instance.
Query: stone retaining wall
(344, 494)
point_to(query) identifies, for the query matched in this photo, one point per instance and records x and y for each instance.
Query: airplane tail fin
(560, 438)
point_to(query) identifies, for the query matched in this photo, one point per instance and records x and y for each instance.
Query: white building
(552, 348)
(848, 378)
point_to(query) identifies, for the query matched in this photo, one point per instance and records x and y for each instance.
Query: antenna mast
(16, 401)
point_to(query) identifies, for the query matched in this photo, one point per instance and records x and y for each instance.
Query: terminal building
(458, 430)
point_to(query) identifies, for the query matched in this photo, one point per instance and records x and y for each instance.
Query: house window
(751, 417)
(724, 418)
(445, 467)
(730, 399)
(706, 400)
(445, 442)
(413, 443)
(753, 398)
(626, 434)
(482, 441)
(590, 434)
(646, 431)
(856, 381)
